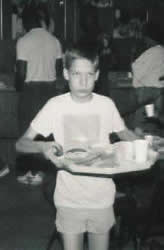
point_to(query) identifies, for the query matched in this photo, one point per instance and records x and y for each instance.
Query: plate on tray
(81, 156)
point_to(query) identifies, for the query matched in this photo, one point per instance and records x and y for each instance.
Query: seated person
(147, 71)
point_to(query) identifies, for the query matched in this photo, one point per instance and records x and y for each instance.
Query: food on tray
(73, 150)
(107, 161)
(100, 161)
(76, 153)
(81, 156)
(90, 157)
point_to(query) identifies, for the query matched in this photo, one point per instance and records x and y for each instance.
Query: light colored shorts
(75, 220)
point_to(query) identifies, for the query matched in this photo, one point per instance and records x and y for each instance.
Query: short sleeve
(21, 50)
(117, 121)
(59, 50)
(43, 123)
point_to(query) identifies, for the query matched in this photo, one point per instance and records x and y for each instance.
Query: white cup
(129, 151)
(149, 108)
(129, 75)
(141, 150)
(149, 139)
(124, 150)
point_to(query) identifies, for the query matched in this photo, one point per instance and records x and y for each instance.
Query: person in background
(80, 118)
(108, 62)
(107, 59)
(147, 73)
(38, 66)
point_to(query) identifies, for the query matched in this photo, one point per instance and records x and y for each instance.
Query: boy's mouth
(83, 91)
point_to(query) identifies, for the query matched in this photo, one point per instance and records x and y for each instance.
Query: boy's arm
(27, 144)
(127, 135)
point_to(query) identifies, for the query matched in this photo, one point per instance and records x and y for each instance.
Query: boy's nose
(83, 80)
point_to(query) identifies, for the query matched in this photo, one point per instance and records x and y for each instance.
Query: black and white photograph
(82, 125)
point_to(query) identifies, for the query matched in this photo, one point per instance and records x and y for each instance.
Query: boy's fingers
(58, 148)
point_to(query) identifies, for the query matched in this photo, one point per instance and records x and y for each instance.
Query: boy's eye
(74, 73)
(91, 74)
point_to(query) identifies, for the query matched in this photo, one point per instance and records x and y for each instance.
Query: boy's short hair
(81, 51)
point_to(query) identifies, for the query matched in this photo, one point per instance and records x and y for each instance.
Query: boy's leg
(98, 241)
(99, 225)
(72, 241)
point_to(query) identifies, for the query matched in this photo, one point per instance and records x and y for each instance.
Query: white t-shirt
(40, 49)
(72, 124)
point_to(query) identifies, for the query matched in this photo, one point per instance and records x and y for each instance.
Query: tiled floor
(26, 218)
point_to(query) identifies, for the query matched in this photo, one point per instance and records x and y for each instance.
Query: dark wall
(7, 15)
(7, 56)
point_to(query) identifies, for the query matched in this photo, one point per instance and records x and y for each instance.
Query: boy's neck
(82, 100)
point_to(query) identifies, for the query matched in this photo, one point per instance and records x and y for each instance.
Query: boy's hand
(51, 151)
(57, 148)
(53, 147)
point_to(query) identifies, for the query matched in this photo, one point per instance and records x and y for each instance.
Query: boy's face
(81, 77)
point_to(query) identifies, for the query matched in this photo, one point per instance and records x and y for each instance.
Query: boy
(80, 117)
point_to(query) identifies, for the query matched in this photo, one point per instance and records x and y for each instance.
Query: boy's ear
(97, 75)
(65, 73)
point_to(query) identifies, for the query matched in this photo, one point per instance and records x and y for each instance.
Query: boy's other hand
(53, 147)
(57, 148)
(53, 152)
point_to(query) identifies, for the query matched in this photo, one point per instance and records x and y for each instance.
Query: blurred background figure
(148, 72)
(108, 59)
(38, 65)
(108, 62)
(89, 25)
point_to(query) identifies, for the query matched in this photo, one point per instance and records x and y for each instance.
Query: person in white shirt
(38, 50)
(38, 70)
(148, 76)
(77, 119)
(38, 65)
